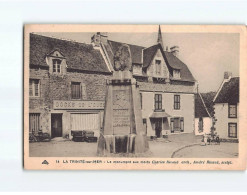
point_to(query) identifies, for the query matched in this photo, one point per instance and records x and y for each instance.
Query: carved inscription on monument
(121, 111)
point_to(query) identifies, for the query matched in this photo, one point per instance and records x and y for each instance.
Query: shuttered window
(158, 102)
(34, 88)
(34, 122)
(232, 111)
(76, 90)
(176, 102)
(177, 124)
(232, 130)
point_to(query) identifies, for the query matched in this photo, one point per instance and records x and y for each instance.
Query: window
(145, 124)
(76, 90)
(34, 122)
(158, 66)
(141, 99)
(176, 74)
(56, 65)
(232, 111)
(34, 88)
(232, 130)
(200, 124)
(177, 102)
(158, 102)
(177, 124)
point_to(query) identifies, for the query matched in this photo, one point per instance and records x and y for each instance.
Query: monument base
(123, 130)
(113, 144)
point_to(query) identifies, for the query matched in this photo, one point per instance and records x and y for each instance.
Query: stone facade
(58, 87)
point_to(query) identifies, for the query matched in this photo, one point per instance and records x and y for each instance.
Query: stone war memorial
(122, 130)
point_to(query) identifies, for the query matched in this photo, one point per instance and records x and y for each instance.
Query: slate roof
(78, 56)
(200, 109)
(229, 92)
(208, 100)
(148, 53)
(176, 63)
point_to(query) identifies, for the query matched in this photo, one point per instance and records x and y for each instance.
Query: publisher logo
(45, 162)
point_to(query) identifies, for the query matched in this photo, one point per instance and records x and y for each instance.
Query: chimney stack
(99, 37)
(175, 50)
(227, 75)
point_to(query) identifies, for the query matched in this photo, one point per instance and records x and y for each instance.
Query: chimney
(175, 50)
(227, 75)
(99, 37)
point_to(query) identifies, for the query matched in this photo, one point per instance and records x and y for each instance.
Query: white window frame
(56, 65)
(33, 87)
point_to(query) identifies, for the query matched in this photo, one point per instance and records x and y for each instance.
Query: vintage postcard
(135, 97)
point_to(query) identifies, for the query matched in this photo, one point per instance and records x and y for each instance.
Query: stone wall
(58, 87)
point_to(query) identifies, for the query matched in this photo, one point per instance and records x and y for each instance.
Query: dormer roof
(79, 56)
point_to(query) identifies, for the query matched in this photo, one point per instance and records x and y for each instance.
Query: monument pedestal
(123, 130)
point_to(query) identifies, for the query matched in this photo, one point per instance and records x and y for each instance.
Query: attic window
(176, 74)
(158, 66)
(56, 65)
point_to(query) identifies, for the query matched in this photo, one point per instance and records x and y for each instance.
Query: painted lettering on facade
(58, 104)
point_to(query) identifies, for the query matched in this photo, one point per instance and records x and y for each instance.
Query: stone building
(226, 105)
(68, 84)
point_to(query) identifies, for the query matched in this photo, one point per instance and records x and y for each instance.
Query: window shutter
(182, 124)
(30, 88)
(172, 125)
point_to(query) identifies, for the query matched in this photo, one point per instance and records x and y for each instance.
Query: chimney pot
(227, 75)
(175, 50)
(99, 37)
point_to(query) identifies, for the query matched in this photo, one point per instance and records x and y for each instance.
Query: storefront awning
(159, 115)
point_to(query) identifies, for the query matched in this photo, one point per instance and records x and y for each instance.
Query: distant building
(226, 104)
(203, 119)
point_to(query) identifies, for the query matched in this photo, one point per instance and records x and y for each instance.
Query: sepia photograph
(153, 94)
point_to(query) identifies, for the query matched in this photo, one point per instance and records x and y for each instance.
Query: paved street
(224, 150)
(175, 145)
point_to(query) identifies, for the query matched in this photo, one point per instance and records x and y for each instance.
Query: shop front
(70, 116)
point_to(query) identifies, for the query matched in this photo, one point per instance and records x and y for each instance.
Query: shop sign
(65, 105)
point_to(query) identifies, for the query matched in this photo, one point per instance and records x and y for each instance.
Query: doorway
(158, 127)
(56, 125)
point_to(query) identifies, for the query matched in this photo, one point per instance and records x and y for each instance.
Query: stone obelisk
(123, 130)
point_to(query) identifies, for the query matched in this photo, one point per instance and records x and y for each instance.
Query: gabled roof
(172, 62)
(79, 56)
(176, 63)
(200, 107)
(148, 55)
(228, 92)
(208, 100)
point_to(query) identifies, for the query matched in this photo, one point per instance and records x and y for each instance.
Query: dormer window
(56, 65)
(176, 74)
(158, 67)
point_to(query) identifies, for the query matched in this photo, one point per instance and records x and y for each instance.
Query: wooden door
(56, 125)
(158, 127)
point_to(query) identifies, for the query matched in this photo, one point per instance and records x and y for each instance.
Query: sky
(208, 55)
